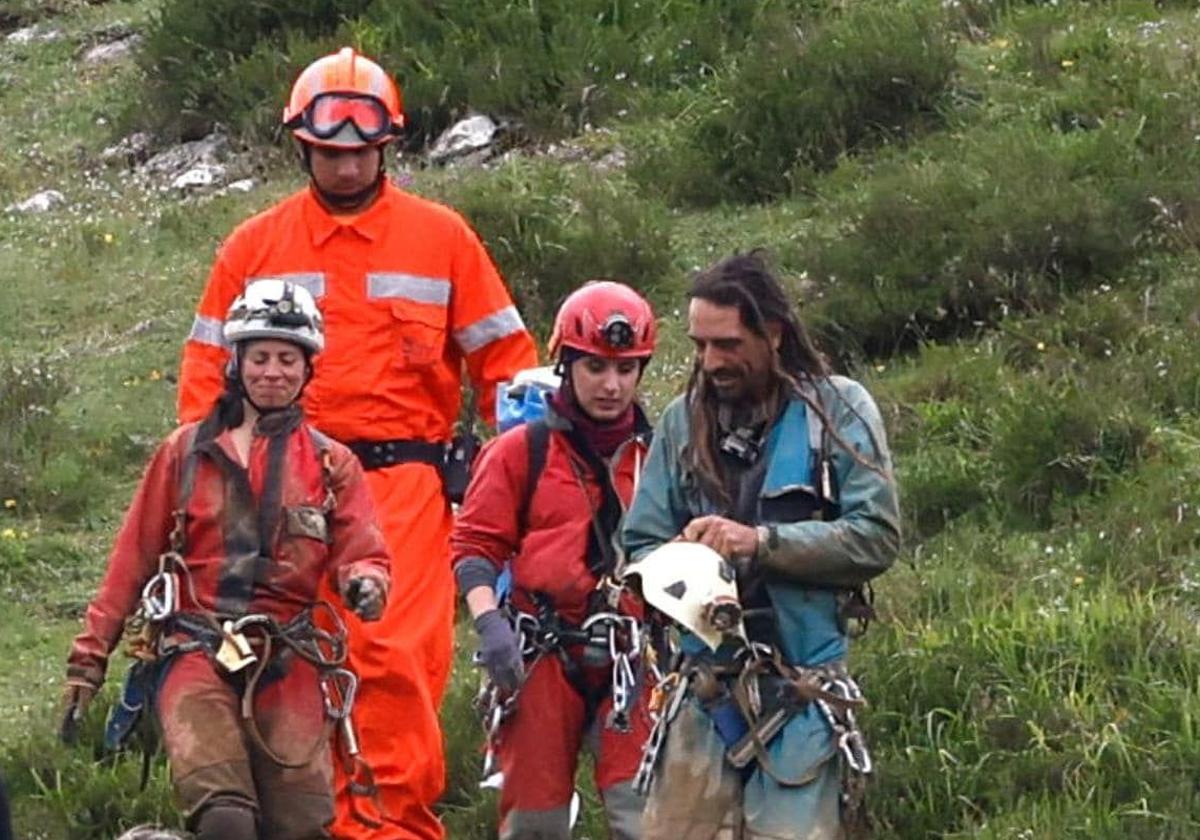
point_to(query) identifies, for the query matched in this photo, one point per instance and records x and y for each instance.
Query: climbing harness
(750, 698)
(618, 637)
(243, 645)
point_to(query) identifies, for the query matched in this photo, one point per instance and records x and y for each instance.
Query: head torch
(617, 332)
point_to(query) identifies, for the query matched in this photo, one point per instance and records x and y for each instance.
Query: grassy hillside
(987, 208)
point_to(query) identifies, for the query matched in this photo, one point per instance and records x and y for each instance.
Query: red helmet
(344, 100)
(605, 318)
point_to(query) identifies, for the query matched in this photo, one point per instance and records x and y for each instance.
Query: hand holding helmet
(691, 584)
(734, 541)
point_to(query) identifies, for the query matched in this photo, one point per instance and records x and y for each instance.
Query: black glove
(364, 596)
(500, 650)
(76, 699)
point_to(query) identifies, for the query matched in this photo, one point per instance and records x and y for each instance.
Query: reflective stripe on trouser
(403, 660)
(698, 795)
(213, 759)
(538, 750)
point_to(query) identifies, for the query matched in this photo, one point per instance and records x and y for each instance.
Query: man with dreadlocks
(783, 469)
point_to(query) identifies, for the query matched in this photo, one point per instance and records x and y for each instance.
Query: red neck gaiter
(603, 438)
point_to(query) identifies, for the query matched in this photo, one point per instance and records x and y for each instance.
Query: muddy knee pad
(226, 821)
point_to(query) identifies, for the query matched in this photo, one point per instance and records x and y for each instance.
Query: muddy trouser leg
(202, 737)
(617, 756)
(696, 794)
(538, 751)
(804, 750)
(812, 812)
(296, 803)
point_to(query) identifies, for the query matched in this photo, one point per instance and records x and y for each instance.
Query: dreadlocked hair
(747, 282)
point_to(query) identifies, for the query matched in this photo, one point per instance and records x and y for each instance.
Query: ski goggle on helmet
(344, 100)
(331, 115)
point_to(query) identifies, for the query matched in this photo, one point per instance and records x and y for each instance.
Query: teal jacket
(805, 563)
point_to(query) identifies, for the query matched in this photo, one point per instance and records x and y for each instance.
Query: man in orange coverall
(409, 294)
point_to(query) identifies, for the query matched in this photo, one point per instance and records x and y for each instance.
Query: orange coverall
(408, 294)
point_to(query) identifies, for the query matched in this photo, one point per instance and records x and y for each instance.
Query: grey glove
(76, 699)
(364, 597)
(500, 650)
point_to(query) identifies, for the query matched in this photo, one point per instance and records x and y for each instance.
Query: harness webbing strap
(537, 446)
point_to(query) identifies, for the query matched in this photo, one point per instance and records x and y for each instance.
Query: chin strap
(234, 386)
(343, 202)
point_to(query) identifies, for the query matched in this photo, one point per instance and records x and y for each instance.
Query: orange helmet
(344, 100)
(605, 318)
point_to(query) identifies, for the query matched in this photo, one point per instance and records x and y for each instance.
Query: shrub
(192, 50)
(941, 247)
(1058, 440)
(796, 100)
(550, 67)
(550, 227)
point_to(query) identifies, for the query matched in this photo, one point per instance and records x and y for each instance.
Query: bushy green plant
(549, 67)
(944, 246)
(192, 53)
(802, 94)
(550, 227)
(1057, 440)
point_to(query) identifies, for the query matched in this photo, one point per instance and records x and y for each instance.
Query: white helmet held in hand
(276, 309)
(692, 584)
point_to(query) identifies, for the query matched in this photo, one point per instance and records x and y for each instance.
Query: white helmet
(692, 584)
(276, 309)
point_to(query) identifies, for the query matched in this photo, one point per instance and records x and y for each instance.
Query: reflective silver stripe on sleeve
(414, 287)
(313, 281)
(207, 331)
(494, 327)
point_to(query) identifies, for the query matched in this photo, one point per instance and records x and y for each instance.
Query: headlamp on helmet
(276, 309)
(617, 332)
(605, 318)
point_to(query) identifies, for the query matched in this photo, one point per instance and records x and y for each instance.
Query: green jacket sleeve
(659, 510)
(865, 539)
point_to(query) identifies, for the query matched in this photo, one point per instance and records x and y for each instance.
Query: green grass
(1014, 274)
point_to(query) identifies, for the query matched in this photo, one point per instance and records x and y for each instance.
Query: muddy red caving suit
(409, 297)
(258, 539)
(565, 697)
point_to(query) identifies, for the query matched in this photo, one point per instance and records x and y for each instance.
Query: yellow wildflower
(8, 534)
(10, 503)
